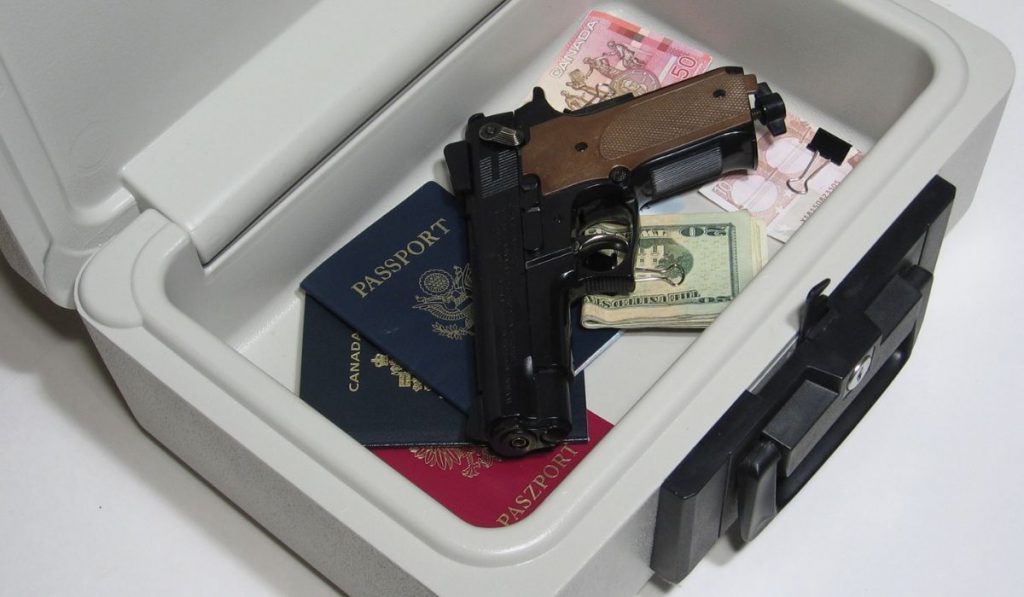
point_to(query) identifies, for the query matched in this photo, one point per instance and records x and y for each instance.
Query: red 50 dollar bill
(608, 57)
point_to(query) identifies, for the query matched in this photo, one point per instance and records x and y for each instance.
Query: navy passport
(404, 284)
(376, 401)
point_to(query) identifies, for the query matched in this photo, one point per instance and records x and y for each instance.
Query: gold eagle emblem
(472, 459)
(446, 296)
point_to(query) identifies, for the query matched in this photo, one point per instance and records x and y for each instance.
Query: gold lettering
(428, 238)
(355, 348)
(560, 460)
(534, 490)
(440, 224)
(372, 282)
(402, 257)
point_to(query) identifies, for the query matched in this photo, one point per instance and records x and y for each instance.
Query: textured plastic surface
(204, 111)
(223, 339)
(83, 88)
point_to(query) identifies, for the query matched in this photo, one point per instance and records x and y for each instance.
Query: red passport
(485, 490)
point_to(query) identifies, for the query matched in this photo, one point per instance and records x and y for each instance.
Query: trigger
(604, 250)
(602, 262)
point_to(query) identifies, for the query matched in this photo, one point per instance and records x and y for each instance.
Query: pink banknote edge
(608, 56)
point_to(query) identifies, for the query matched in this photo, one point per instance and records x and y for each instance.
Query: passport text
(401, 258)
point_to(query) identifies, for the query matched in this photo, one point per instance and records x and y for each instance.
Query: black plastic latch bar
(850, 346)
(756, 481)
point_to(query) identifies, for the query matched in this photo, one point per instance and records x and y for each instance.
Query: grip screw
(519, 442)
(619, 174)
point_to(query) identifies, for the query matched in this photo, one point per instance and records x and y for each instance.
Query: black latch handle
(838, 365)
(757, 481)
(906, 294)
(851, 345)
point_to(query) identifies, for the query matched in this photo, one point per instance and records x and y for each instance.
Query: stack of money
(689, 267)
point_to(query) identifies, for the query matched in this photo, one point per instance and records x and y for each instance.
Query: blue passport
(405, 285)
(374, 399)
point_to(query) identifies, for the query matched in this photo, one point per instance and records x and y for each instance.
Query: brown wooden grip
(572, 149)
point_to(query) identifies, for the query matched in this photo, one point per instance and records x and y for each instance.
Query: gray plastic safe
(176, 193)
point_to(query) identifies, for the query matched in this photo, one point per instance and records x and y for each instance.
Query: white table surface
(921, 499)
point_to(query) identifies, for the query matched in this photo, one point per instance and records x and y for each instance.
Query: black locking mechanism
(851, 345)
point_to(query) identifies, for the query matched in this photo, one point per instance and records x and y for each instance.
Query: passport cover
(404, 283)
(483, 489)
(372, 398)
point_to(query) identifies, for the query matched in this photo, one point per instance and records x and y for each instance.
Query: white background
(925, 497)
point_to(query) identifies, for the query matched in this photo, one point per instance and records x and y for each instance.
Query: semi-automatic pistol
(552, 200)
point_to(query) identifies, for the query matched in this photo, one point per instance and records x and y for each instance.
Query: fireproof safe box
(172, 172)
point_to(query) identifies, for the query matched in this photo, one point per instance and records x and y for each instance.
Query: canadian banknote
(689, 267)
(607, 57)
(765, 192)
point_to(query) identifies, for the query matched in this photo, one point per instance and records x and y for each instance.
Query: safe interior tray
(203, 336)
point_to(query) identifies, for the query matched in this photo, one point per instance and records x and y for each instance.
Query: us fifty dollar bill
(689, 267)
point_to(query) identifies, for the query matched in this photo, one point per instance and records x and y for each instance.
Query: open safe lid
(206, 112)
